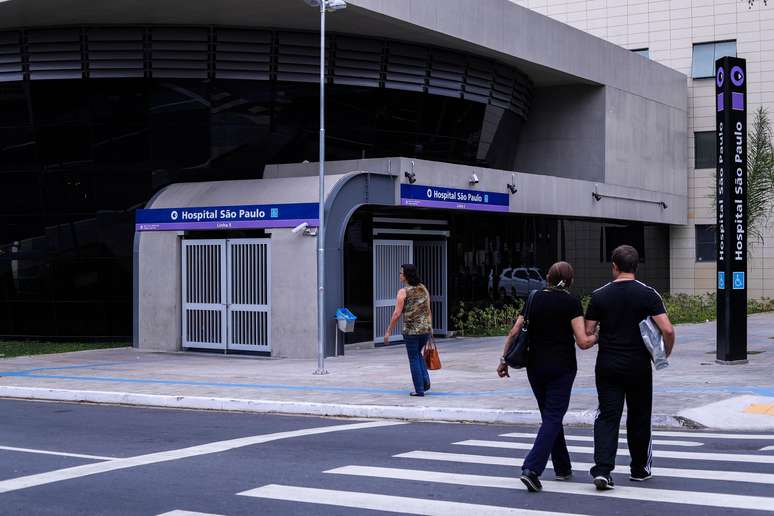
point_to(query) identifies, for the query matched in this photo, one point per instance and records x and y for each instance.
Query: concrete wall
(536, 42)
(564, 135)
(293, 295)
(157, 300)
(547, 195)
(645, 143)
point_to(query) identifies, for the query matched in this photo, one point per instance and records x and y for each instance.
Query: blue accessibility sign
(721, 280)
(738, 280)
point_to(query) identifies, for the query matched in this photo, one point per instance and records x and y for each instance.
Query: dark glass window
(520, 274)
(705, 55)
(77, 157)
(705, 243)
(614, 236)
(705, 151)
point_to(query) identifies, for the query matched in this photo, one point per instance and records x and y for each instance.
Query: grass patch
(15, 348)
(487, 319)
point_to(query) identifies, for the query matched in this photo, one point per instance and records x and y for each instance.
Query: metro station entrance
(430, 258)
(459, 255)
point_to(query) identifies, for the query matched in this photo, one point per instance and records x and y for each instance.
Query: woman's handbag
(431, 355)
(518, 352)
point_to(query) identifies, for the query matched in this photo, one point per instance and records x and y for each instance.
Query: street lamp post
(324, 5)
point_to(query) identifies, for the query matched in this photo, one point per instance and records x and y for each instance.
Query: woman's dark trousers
(552, 390)
(419, 374)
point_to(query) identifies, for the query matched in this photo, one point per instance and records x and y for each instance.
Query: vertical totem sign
(731, 90)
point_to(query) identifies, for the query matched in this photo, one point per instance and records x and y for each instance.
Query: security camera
(335, 5)
(330, 5)
(473, 179)
(301, 227)
(512, 185)
(411, 176)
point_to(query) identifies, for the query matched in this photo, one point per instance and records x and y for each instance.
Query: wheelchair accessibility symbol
(738, 280)
(721, 280)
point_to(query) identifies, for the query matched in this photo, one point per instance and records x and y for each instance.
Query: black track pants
(613, 388)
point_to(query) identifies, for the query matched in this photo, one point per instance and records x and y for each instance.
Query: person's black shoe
(604, 482)
(530, 479)
(564, 476)
(640, 476)
(420, 394)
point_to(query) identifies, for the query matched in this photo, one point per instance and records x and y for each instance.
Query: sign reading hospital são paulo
(227, 217)
(731, 120)
(441, 197)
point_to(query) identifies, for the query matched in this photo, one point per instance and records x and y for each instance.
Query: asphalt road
(86, 459)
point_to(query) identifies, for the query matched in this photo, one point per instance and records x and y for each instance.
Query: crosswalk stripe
(178, 512)
(590, 439)
(62, 454)
(767, 448)
(387, 503)
(698, 474)
(668, 454)
(710, 435)
(59, 475)
(757, 503)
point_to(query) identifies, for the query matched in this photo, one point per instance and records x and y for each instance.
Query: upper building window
(644, 52)
(705, 155)
(705, 55)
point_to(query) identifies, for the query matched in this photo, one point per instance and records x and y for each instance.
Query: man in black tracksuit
(623, 371)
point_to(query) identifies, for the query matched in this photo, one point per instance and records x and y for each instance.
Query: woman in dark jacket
(556, 325)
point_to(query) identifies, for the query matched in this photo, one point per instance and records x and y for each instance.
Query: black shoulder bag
(517, 354)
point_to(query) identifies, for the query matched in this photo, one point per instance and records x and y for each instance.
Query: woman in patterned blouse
(413, 302)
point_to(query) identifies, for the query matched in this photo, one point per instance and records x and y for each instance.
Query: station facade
(688, 36)
(159, 165)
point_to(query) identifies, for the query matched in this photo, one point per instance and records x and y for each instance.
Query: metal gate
(204, 294)
(430, 259)
(227, 294)
(389, 255)
(249, 294)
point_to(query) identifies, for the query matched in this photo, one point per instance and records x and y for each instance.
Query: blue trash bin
(346, 320)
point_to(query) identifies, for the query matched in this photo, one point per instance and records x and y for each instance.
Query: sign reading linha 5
(441, 197)
(227, 217)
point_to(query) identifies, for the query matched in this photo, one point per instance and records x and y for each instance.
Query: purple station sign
(424, 196)
(227, 217)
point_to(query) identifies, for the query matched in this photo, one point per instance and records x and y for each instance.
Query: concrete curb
(443, 414)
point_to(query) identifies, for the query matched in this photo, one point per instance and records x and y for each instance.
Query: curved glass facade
(77, 157)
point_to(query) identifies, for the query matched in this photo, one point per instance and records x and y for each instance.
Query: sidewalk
(694, 390)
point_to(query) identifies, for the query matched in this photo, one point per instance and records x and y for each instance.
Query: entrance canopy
(395, 182)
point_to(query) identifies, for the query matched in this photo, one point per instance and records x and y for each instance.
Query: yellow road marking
(760, 408)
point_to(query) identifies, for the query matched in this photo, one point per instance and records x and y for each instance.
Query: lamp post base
(321, 371)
